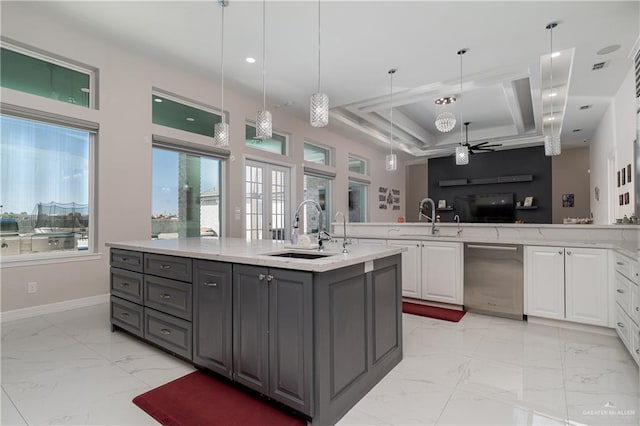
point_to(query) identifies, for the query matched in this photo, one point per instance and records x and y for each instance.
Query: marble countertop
(238, 250)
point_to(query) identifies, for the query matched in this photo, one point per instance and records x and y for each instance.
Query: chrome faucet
(322, 234)
(433, 213)
(344, 231)
(457, 219)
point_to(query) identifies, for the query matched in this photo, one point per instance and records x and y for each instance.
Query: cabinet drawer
(175, 268)
(168, 296)
(171, 333)
(126, 259)
(626, 266)
(127, 315)
(623, 327)
(126, 284)
(634, 307)
(623, 292)
(635, 338)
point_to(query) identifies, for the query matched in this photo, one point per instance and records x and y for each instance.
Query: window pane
(176, 115)
(357, 165)
(318, 189)
(277, 144)
(45, 174)
(357, 202)
(38, 77)
(317, 154)
(185, 195)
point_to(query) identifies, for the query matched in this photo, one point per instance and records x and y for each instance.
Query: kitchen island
(313, 330)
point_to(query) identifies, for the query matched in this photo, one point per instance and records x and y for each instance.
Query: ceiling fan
(481, 147)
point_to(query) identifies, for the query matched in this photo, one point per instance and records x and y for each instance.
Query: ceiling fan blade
(480, 144)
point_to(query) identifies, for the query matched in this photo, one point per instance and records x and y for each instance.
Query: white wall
(614, 140)
(123, 184)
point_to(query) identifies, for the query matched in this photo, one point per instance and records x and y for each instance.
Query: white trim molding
(51, 308)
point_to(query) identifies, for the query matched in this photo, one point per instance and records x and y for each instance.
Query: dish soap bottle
(294, 234)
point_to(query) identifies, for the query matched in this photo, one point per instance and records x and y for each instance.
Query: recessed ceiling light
(191, 119)
(157, 100)
(445, 100)
(555, 54)
(84, 89)
(251, 60)
(608, 49)
(552, 94)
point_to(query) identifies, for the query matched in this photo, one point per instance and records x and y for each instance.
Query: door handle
(165, 331)
(165, 267)
(261, 277)
(269, 278)
(165, 296)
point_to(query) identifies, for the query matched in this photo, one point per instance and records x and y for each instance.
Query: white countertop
(238, 250)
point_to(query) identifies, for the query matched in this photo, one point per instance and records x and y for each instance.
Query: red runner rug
(201, 399)
(432, 312)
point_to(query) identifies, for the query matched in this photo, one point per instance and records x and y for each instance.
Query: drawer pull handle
(621, 325)
(621, 291)
(124, 315)
(261, 277)
(165, 296)
(165, 267)
(620, 263)
(637, 308)
(125, 284)
(124, 259)
(559, 251)
(269, 278)
(210, 284)
(165, 331)
(638, 351)
(569, 253)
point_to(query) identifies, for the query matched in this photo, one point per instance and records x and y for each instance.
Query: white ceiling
(362, 40)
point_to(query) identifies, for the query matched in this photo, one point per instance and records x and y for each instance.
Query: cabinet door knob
(125, 284)
(621, 325)
(124, 315)
(621, 291)
(165, 331)
(269, 278)
(638, 351)
(620, 263)
(165, 296)
(210, 284)
(559, 251)
(637, 308)
(261, 277)
(569, 253)
(124, 259)
(165, 267)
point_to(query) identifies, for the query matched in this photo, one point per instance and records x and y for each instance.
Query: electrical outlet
(32, 287)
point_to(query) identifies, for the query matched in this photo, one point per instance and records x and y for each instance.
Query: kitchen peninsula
(313, 330)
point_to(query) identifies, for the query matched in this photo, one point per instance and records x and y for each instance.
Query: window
(318, 188)
(266, 200)
(357, 165)
(46, 175)
(185, 194)
(358, 201)
(42, 76)
(317, 154)
(277, 144)
(183, 115)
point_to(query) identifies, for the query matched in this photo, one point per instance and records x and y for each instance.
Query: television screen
(485, 208)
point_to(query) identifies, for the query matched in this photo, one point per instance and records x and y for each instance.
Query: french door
(267, 201)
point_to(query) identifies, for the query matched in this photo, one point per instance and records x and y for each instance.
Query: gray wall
(570, 172)
(416, 189)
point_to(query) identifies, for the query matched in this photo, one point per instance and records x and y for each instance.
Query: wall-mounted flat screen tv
(485, 208)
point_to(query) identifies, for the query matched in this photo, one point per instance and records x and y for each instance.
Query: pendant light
(551, 140)
(445, 121)
(391, 160)
(319, 103)
(263, 119)
(462, 151)
(221, 129)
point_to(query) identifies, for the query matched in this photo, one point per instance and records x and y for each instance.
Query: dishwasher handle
(486, 247)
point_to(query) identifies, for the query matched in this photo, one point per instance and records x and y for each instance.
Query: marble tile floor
(69, 368)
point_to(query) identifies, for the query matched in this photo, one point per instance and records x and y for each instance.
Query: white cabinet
(627, 303)
(431, 270)
(567, 283)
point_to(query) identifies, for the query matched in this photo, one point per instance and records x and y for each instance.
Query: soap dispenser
(294, 234)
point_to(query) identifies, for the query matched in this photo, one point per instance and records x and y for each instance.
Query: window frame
(285, 135)
(92, 129)
(329, 150)
(62, 62)
(365, 162)
(187, 102)
(367, 184)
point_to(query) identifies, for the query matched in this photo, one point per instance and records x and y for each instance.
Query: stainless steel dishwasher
(493, 279)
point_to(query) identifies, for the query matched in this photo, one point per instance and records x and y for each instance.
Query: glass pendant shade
(462, 155)
(391, 162)
(552, 145)
(319, 110)
(221, 134)
(445, 122)
(263, 125)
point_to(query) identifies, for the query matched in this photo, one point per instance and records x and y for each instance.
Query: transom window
(39, 75)
(317, 154)
(357, 165)
(277, 144)
(183, 115)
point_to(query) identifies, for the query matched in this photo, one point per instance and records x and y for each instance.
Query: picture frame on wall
(628, 172)
(623, 174)
(618, 178)
(442, 204)
(621, 199)
(528, 201)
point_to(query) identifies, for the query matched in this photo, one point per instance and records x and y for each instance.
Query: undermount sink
(300, 255)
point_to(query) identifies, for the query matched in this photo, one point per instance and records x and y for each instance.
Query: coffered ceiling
(505, 77)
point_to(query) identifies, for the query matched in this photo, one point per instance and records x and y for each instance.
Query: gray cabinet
(273, 333)
(212, 319)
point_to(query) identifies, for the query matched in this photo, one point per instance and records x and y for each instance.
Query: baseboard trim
(432, 303)
(572, 325)
(34, 311)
